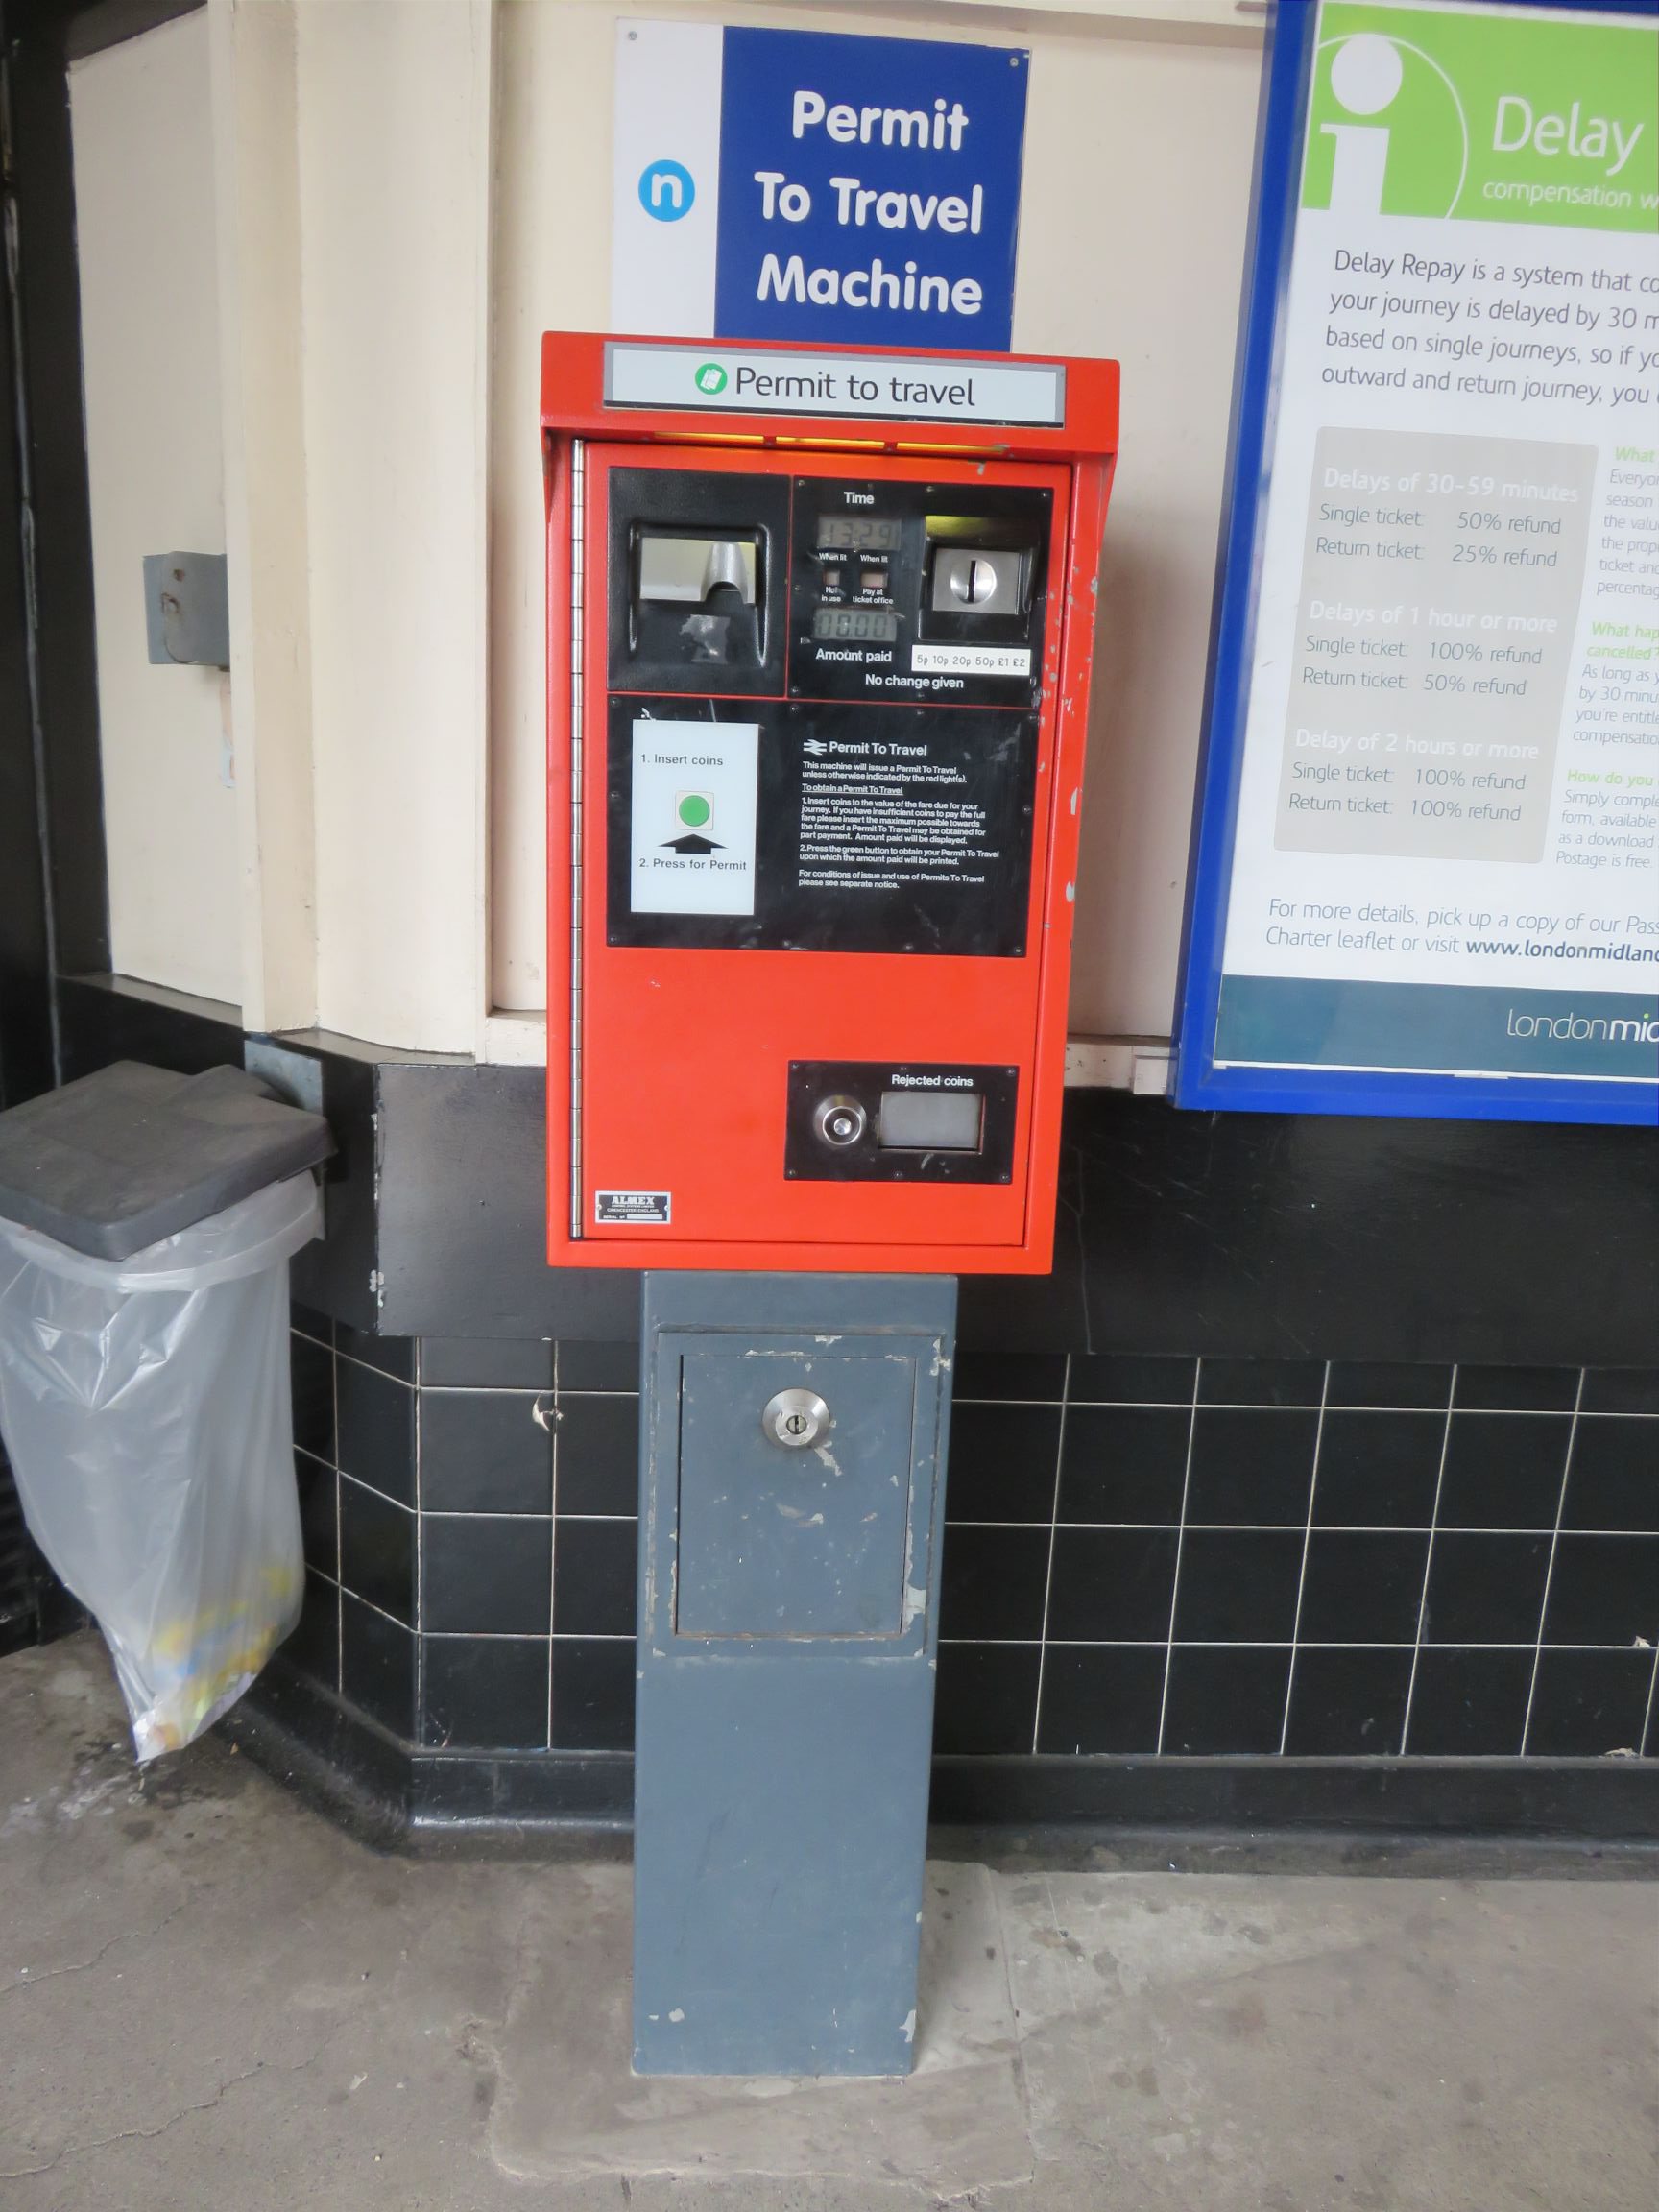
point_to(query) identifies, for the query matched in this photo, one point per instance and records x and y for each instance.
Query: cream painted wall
(256, 153)
(1146, 267)
(394, 162)
(144, 208)
(1129, 246)
(293, 197)
(407, 193)
(552, 270)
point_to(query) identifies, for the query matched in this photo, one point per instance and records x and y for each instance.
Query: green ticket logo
(1485, 116)
(710, 378)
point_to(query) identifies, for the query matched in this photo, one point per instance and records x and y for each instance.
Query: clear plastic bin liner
(144, 1405)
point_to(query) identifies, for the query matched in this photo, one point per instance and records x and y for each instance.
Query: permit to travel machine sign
(1427, 864)
(803, 186)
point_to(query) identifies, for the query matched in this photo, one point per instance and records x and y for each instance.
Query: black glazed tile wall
(489, 1692)
(1378, 1469)
(593, 1694)
(1102, 1698)
(1220, 1701)
(375, 1418)
(377, 1664)
(1351, 1561)
(441, 1481)
(1143, 1555)
(486, 1575)
(1121, 1463)
(1348, 1703)
(378, 1551)
(486, 1452)
(1005, 1435)
(319, 1484)
(598, 1455)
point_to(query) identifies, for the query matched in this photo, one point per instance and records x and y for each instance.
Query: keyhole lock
(974, 582)
(839, 1121)
(795, 1418)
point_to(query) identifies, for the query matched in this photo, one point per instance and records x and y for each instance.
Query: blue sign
(806, 186)
(868, 189)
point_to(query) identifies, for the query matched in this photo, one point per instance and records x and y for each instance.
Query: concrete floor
(208, 1997)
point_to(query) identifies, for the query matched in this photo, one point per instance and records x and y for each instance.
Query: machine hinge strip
(578, 516)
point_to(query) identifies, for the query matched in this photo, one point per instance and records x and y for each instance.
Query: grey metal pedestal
(791, 1509)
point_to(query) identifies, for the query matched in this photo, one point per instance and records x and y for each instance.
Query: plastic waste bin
(146, 1224)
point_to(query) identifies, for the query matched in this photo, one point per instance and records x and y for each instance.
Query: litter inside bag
(145, 1409)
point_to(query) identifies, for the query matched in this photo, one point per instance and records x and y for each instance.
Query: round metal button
(795, 1418)
(839, 1121)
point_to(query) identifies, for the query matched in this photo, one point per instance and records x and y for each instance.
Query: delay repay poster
(1441, 860)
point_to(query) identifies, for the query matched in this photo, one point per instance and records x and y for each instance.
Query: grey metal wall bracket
(186, 610)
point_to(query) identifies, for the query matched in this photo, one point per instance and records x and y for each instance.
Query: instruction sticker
(693, 817)
(970, 660)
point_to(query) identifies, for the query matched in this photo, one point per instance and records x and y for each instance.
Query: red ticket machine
(820, 625)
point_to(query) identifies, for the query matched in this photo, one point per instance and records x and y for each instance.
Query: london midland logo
(709, 378)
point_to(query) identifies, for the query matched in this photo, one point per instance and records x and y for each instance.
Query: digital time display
(858, 533)
(869, 625)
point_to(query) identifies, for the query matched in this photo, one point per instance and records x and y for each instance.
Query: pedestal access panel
(791, 1510)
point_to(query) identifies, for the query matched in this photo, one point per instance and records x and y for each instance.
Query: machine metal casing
(676, 1097)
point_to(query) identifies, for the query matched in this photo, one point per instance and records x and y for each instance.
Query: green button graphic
(710, 377)
(693, 810)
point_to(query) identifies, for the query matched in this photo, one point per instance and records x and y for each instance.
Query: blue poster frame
(1287, 71)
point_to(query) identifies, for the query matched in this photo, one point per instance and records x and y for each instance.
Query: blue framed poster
(1426, 875)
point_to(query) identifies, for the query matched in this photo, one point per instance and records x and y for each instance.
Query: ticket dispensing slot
(694, 557)
(689, 571)
(697, 598)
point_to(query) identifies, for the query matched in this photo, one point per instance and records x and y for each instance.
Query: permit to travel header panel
(1425, 873)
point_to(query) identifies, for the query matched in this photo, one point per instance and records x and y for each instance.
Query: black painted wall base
(1239, 1235)
(1317, 1489)
(1157, 1811)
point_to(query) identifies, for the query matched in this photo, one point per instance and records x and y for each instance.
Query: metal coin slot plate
(976, 580)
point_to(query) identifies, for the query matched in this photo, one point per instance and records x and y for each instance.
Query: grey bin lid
(131, 1154)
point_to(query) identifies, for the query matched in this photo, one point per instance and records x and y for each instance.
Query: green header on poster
(1492, 115)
